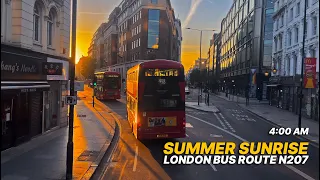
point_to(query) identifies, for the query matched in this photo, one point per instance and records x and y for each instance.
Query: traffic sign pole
(93, 101)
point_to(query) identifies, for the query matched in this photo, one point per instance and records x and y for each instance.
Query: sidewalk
(44, 157)
(280, 117)
(240, 100)
(202, 107)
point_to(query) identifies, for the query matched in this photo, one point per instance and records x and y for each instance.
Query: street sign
(71, 100)
(79, 85)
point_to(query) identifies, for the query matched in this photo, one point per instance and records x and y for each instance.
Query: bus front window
(112, 82)
(162, 90)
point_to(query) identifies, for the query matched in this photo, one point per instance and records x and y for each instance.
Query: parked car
(186, 89)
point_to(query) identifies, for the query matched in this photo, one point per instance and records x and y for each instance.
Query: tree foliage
(88, 67)
(195, 76)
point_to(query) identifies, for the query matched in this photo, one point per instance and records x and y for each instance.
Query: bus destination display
(161, 72)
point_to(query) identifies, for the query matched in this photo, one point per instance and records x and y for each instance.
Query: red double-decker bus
(156, 100)
(108, 85)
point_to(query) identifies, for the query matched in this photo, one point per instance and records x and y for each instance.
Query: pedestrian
(247, 96)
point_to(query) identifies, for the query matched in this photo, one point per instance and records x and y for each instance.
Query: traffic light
(95, 81)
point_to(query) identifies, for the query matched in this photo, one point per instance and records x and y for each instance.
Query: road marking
(216, 136)
(224, 126)
(299, 172)
(240, 138)
(213, 167)
(135, 160)
(122, 170)
(224, 119)
(187, 135)
(188, 125)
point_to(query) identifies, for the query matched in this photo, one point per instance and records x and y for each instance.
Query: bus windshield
(162, 90)
(112, 81)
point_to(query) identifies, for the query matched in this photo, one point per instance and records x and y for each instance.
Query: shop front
(22, 87)
(57, 77)
(275, 89)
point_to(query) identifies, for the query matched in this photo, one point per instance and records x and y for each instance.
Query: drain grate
(88, 156)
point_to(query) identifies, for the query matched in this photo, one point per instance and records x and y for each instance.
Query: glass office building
(246, 47)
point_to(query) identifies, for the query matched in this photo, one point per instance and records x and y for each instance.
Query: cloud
(193, 9)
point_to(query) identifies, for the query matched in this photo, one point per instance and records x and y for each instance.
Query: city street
(143, 160)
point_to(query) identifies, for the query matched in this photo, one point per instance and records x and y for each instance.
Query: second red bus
(108, 85)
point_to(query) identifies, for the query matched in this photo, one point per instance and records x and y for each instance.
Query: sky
(198, 14)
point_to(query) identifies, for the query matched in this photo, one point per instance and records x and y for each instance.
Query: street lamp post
(200, 90)
(302, 60)
(69, 162)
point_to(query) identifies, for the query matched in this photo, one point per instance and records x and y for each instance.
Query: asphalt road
(143, 160)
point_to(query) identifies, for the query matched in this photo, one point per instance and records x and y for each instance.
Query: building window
(153, 28)
(280, 42)
(289, 37)
(139, 42)
(251, 5)
(312, 53)
(36, 23)
(287, 72)
(295, 64)
(50, 29)
(291, 13)
(154, 1)
(297, 34)
(314, 25)
(298, 9)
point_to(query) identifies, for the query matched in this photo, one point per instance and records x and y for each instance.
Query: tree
(195, 76)
(88, 67)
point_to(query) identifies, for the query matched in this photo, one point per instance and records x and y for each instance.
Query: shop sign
(20, 67)
(51, 68)
(28, 90)
(63, 73)
(310, 73)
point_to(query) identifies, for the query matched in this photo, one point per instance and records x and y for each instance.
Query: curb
(203, 110)
(105, 159)
(277, 125)
(107, 150)
(93, 167)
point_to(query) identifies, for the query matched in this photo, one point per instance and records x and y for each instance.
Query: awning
(273, 85)
(25, 86)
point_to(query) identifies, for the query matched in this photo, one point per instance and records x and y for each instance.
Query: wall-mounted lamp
(274, 70)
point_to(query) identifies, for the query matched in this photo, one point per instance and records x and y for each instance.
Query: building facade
(287, 55)
(34, 68)
(145, 30)
(246, 47)
(179, 38)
